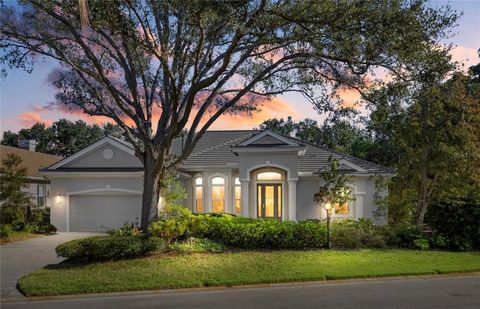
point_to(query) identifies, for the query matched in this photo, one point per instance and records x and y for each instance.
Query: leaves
(335, 190)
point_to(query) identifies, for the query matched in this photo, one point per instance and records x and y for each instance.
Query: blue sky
(24, 97)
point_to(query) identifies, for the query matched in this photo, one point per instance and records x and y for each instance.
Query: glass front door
(269, 201)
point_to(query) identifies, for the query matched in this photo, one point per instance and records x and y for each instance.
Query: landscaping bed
(169, 271)
(18, 236)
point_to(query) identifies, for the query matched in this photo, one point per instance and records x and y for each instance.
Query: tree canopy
(158, 67)
(63, 137)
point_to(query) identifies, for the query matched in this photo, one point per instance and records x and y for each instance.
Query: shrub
(401, 236)
(172, 223)
(346, 237)
(351, 234)
(197, 245)
(109, 247)
(421, 244)
(128, 229)
(258, 233)
(41, 228)
(5, 231)
(457, 221)
(39, 215)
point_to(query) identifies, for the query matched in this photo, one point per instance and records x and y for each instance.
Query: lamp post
(328, 209)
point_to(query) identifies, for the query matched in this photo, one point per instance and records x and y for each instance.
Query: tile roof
(214, 150)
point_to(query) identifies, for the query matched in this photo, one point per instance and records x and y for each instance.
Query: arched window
(199, 194)
(237, 196)
(269, 176)
(218, 194)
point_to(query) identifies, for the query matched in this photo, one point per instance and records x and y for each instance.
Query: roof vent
(27, 144)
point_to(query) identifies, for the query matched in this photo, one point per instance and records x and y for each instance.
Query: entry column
(245, 197)
(292, 200)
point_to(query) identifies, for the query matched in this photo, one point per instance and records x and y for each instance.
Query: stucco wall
(287, 161)
(362, 207)
(95, 159)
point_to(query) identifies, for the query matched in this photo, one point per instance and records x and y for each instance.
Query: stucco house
(37, 186)
(250, 173)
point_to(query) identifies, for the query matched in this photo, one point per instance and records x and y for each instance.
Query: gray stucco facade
(247, 173)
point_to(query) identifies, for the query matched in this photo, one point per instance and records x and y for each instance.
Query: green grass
(253, 267)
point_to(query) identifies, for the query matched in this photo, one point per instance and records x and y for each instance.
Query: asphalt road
(438, 292)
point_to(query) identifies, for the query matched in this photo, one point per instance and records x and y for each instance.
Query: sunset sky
(25, 98)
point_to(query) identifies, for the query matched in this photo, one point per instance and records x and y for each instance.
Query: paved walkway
(20, 258)
(435, 293)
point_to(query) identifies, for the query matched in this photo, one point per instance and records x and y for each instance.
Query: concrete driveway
(20, 258)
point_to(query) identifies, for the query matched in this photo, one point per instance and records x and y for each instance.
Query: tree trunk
(422, 203)
(150, 197)
(421, 211)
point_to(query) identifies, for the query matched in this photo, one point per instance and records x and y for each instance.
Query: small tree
(335, 190)
(14, 202)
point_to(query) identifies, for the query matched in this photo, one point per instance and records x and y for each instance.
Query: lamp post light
(328, 209)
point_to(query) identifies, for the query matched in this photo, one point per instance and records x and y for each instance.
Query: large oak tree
(159, 68)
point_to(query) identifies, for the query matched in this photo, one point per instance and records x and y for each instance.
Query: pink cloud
(28, 119)
(349, 96)
(276, 107)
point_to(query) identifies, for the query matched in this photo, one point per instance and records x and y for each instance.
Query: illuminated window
(218, 194)
(269, 176)
(238, 194)
(199, 194)
(342, 209)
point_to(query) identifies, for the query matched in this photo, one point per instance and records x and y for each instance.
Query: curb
(20, 299)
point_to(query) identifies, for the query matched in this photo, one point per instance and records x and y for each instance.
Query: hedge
(109, 247)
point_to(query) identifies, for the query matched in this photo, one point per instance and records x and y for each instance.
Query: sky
(25, 98)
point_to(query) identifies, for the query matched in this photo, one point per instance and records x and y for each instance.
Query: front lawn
(237, 268)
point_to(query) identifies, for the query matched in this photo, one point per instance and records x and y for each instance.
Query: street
(428, 292)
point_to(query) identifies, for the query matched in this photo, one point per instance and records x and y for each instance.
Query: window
(269, 176)
(199, 194)
(342, 209)
(41, 195)
(218, 194)
(238, 194)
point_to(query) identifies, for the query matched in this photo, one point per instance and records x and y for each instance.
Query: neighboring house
(249, 173)
(38, 187)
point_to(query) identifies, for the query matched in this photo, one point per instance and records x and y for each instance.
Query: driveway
(20, 258)
(438, 292)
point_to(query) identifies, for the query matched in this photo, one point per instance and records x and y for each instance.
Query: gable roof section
(267, 138)
(107, 140)
(32, 160)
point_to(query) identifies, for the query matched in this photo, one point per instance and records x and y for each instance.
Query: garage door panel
(90, 213)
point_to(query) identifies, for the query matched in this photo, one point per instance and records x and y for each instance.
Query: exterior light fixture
(58, 199)
(328, 209)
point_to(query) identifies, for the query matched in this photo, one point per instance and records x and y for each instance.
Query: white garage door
(94, 213)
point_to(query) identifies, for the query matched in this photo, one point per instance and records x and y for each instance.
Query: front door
(269, 201)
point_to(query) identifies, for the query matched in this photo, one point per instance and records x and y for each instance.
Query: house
(38, 187)
(258, 174)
